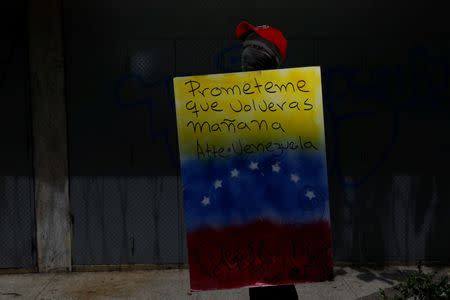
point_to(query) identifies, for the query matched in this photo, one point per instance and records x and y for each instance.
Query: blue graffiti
(228, 60)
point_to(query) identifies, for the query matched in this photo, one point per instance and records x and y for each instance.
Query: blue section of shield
(286, 189)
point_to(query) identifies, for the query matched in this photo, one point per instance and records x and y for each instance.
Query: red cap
(269, 33)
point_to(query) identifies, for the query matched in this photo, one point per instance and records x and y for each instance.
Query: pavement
(349, 283)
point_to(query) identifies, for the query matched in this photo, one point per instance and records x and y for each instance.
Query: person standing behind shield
(264, 48)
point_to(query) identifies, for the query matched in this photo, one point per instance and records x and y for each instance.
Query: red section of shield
(261, 253)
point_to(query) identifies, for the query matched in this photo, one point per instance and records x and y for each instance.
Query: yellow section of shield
(272, 106)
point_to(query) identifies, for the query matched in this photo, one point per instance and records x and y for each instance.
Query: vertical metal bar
(53, 230)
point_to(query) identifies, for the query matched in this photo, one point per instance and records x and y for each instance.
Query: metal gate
(124, 183)
(388, 160)
(16, 172)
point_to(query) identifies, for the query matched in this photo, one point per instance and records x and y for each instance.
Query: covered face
(264, 46)
(259, 54)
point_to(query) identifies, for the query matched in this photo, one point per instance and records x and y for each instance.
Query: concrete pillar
(53, 228)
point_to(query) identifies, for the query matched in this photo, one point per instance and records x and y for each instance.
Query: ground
(349, 283)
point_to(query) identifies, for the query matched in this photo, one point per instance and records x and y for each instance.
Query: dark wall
(386, 94)
(16, 172)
